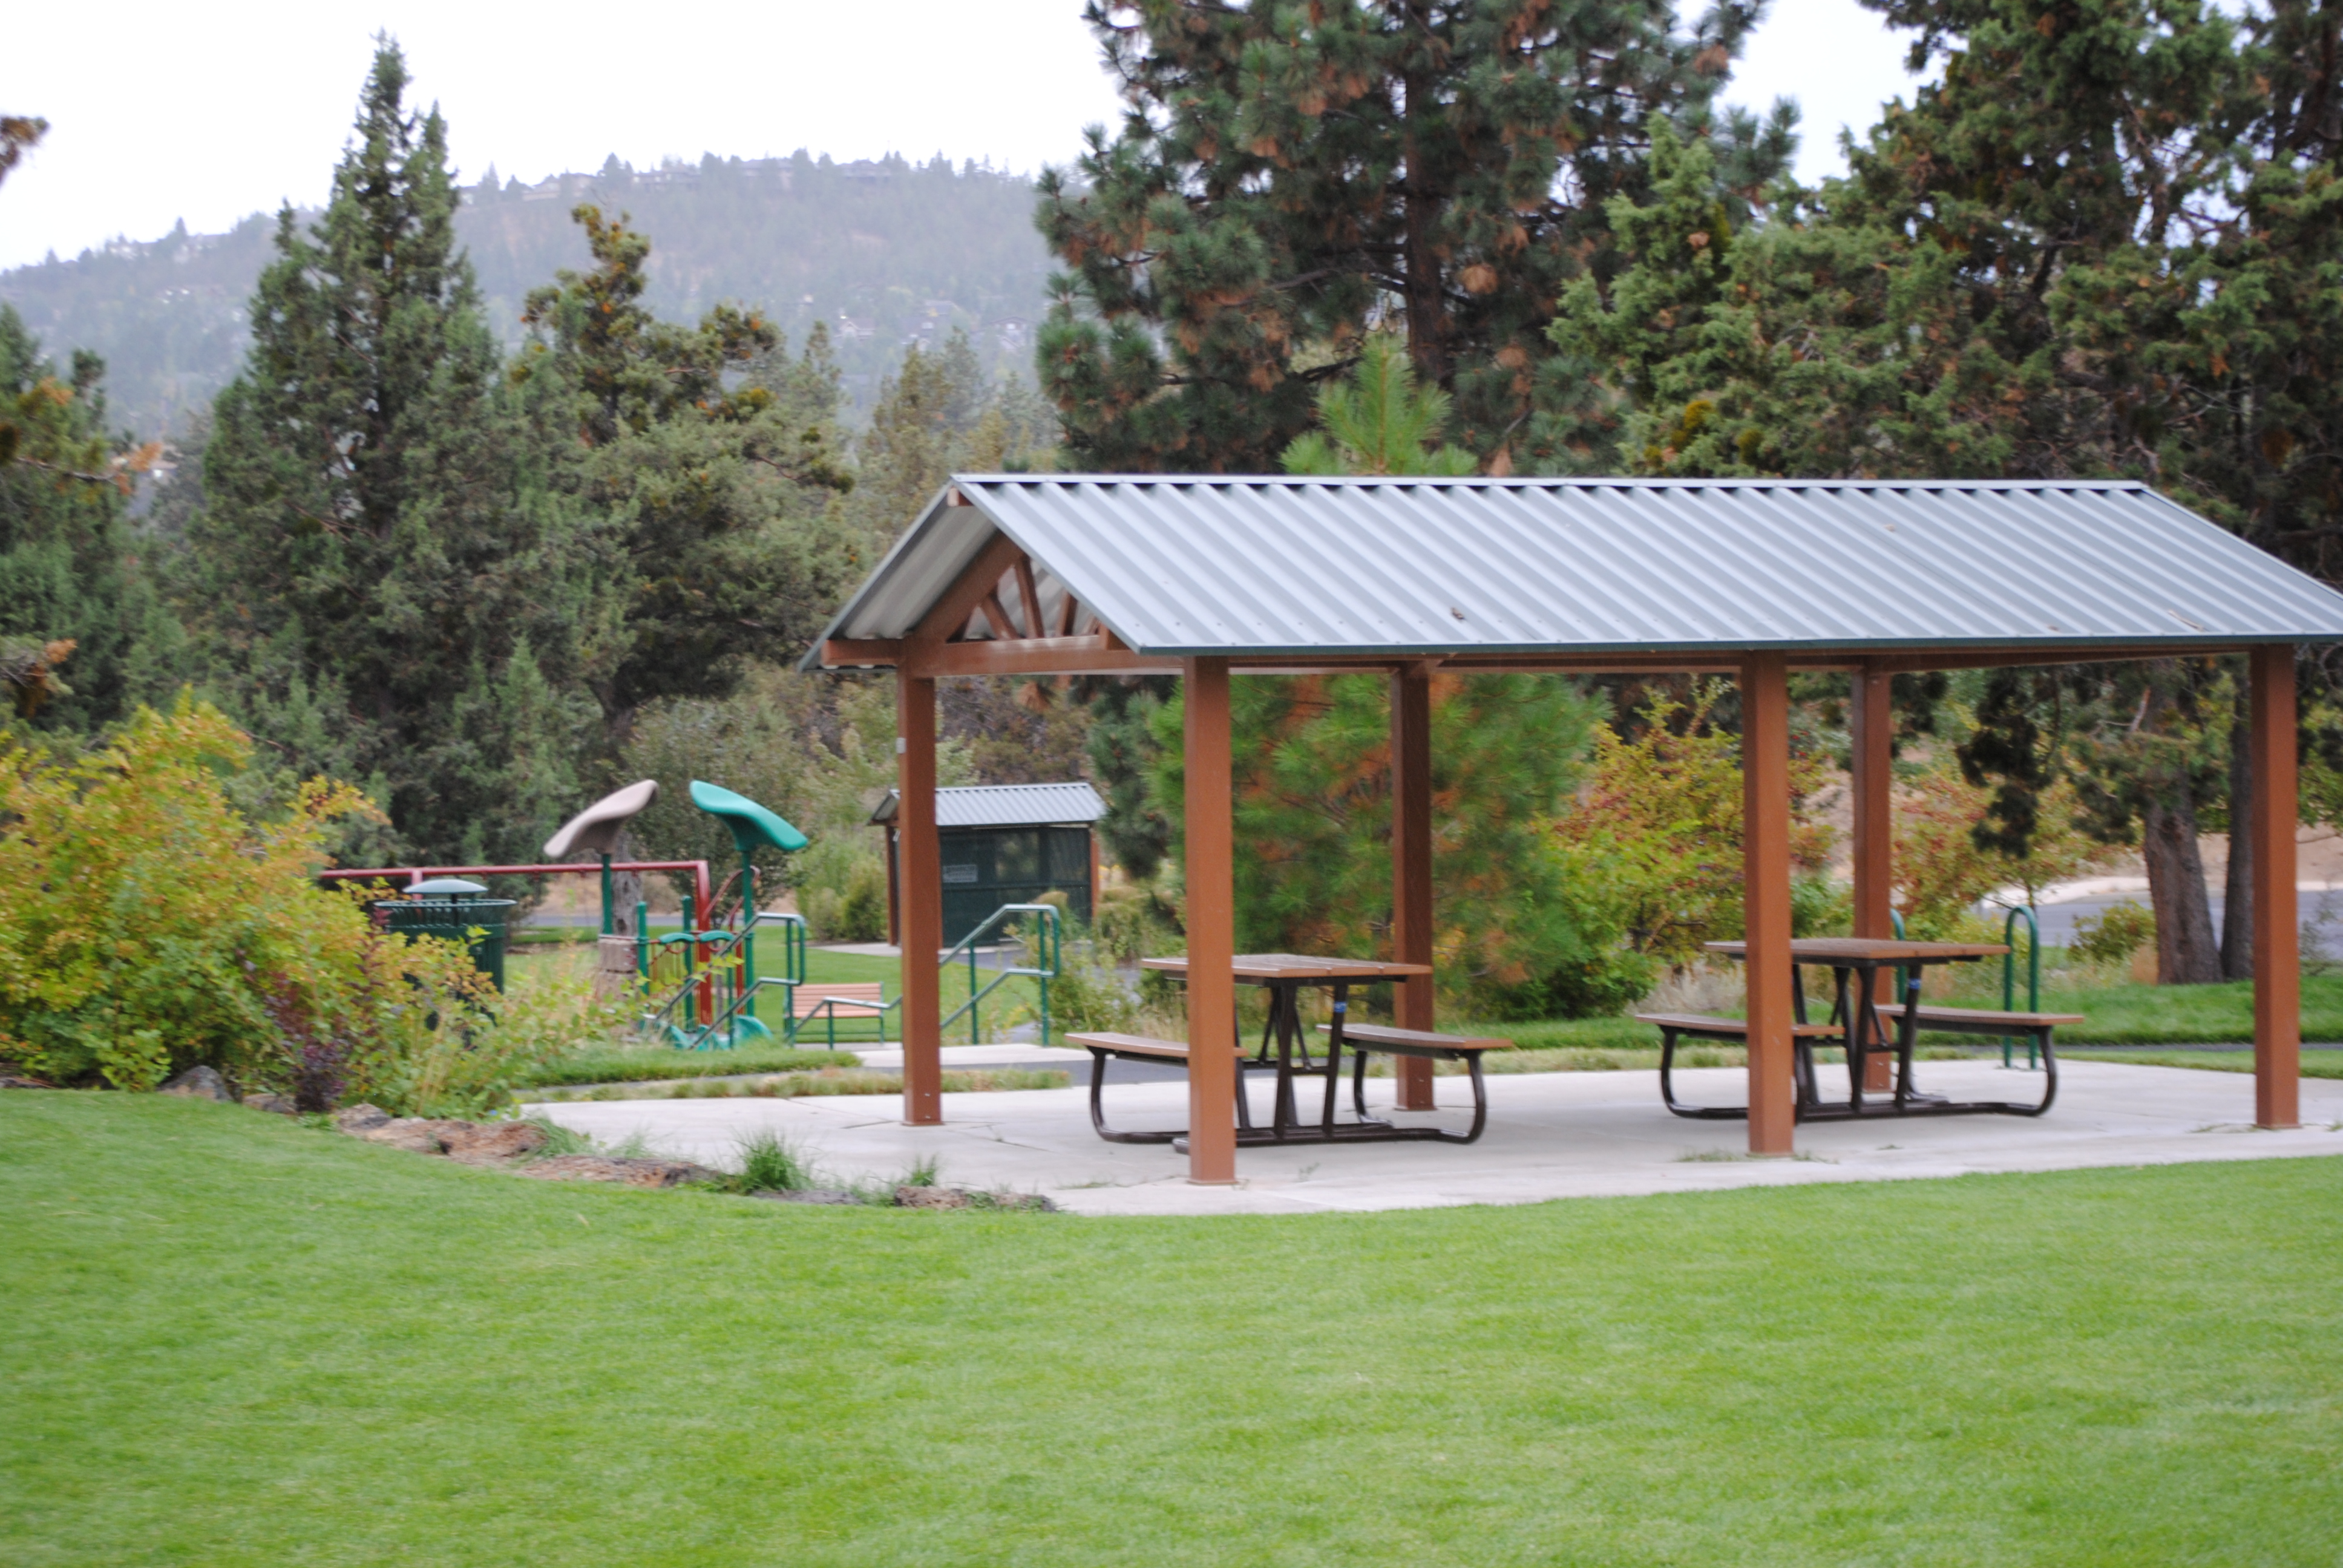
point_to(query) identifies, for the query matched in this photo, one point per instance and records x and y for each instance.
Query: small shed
(1002, 844)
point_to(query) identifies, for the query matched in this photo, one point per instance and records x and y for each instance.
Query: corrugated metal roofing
(1197, 564)
(1006, 805)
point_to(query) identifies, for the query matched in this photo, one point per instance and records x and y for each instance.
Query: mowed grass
(233, 1339)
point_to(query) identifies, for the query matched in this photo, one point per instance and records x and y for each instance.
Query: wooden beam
(1211, 881)
(1411, 815)
(922, 900)
(1031, 592)
(951, 612)
(996, 616)
(1872, 728)
(2277, 914)
(1037, 655)
(1922, 660)
(873, 650)
(1766, 899)
(1068, 607)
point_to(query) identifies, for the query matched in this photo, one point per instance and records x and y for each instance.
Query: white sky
(209, 112)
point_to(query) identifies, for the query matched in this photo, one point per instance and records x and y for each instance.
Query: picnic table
(1856, 1022)
(1285, 1052)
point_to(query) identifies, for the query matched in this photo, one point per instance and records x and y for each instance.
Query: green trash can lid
(752, 825)
(447, 887)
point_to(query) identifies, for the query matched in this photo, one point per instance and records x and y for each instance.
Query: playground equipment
(1046, 953)
(595, 830)
(725, 960)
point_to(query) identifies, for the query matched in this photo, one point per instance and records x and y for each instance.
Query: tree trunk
(1426, 295)
(2185, 950)
(2237, 887)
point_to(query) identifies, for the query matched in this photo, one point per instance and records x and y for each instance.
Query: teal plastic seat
(753, 826)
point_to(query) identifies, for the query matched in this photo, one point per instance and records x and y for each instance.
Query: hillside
(885, 252)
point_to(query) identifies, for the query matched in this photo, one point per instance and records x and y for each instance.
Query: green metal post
(2009, 975)
(642, 941)
(609, 912)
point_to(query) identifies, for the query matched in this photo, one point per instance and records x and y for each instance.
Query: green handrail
(2009, 974)
(1047, 953)
(723, 954)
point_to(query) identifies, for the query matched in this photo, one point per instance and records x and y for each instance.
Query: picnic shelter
(1207, 576)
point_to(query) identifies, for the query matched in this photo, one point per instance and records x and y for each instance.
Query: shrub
(2113, 935)
(148, 924)
(772, 1163)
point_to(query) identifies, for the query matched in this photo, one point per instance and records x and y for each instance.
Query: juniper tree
(381, 587)
(1287, 175)
(703, 458)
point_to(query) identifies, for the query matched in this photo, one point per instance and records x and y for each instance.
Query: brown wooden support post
(1411, 808)
(1766, 897)
(1872, 728)
(2278, 973)
(1212, 927)
(922, 896)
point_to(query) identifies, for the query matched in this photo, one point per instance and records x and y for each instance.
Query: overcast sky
(209, 112)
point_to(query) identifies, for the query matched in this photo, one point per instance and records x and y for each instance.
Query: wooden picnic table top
(1265, 967)
(1872, 951)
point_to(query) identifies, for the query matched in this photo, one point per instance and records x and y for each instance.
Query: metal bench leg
(1480, 1099)
(1358, 1082)
(1668, 1089)
(1098, 1115)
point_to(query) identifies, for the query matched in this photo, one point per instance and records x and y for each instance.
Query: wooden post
(922, 896)
(2277, 918)
(1871, 724)
(1411, 809)
(1212, 927)
(1766, 897)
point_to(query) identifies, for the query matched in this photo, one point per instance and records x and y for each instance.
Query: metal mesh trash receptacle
(457, 911)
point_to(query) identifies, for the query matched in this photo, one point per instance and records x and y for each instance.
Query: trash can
(457, 911)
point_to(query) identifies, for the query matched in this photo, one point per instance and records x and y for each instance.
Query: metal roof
(1006, 806)
(1218, 565)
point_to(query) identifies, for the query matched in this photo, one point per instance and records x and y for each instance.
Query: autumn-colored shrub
(148, 924)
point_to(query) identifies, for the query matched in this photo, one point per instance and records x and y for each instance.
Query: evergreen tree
(706, 459)
(1286, 176)
(83, 635)
(381, 586)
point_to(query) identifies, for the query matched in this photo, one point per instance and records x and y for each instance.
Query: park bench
(1105, 1047)
(861, 998)
(2035, 1027)
(1675, 1025)
(1364, 1039)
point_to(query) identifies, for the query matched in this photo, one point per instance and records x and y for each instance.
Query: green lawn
(233, 1339)
(2315, 1063)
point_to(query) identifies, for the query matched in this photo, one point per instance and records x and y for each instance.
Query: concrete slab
(1551, 1135)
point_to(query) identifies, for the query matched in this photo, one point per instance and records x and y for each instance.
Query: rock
(282, 1105)
(611, 1167)
(931, 1198)
(810, 1195)
(17, 1081)
(491, 1143)
(199, 1083)
(358, 1119)
(423, 1135)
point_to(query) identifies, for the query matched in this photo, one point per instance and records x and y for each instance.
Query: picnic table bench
(1675, 1025)
(1377, 1039)
(1106, 1046)
(861, 998)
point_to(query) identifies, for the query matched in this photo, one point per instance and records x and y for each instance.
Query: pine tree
(1286, 177)
(382, 587)
(82, 634)
(705, 459)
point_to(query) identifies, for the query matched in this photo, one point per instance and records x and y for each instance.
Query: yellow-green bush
(150, 924)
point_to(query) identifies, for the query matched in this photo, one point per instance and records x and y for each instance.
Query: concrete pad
(1550, 1135)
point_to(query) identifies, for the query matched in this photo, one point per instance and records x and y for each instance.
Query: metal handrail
(1051, 953)
(716, 954)
(2009, 974)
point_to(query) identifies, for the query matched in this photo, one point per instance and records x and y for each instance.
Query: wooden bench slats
(1701, 1023)
(1967, 1017)
(1383, 1034)
(1137, 1045)
(805, 1001)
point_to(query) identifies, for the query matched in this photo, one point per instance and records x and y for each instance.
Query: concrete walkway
(1550, 1135)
